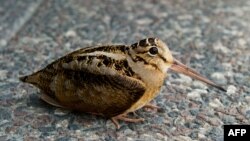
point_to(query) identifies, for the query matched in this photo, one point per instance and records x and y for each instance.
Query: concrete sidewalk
(211, 36)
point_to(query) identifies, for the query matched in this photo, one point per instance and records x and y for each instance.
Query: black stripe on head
(134, 45)
(138, 58)
(143, 43)
(152, 41)
(164, 59)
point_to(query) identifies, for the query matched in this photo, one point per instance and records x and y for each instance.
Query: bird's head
(155, 55)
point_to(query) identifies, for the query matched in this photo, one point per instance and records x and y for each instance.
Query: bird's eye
(153, 51)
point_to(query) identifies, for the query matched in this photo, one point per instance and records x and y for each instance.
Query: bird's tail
(32, 79)
(23, 78)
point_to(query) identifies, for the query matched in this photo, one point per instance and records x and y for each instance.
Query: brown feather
(109, 90)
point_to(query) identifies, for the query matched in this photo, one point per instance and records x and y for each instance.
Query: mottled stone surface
(211, 36)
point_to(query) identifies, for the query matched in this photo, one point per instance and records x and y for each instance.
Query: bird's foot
(151, 106)
(124, 118)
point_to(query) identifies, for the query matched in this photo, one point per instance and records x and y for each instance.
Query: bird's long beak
(177, 66)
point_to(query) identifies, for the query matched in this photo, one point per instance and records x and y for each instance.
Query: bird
(110, 80)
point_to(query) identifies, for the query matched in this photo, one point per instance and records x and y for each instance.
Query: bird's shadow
(80, 120)
(74, 117)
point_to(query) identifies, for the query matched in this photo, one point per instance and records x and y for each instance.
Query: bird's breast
(149, 95)
(153, 80)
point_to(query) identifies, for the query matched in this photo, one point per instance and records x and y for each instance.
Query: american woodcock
(111, 80)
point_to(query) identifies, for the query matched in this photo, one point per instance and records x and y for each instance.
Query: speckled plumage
(108, 80)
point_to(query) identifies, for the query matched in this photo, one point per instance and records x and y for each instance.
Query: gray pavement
(211, 36)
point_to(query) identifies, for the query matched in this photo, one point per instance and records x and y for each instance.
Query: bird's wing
(95, 83)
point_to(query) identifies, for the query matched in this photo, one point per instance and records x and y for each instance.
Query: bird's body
(106, 80)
